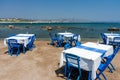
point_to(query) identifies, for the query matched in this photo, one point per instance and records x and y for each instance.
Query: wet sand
(40, 63)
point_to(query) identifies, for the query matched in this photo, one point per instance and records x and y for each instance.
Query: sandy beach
(40, 63)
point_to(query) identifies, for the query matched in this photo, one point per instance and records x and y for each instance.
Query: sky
(93, 10)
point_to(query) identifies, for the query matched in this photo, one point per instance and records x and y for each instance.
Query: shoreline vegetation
(20, 20)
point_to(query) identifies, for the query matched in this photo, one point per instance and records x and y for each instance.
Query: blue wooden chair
(74, 38)
(67, 46)
(106, 63)
(77, 44)
(72, 61)
(116, 45)
(115, 42)
(104, 38)
(31, 42)
(60, 41)
(53, 39)
(13, 47)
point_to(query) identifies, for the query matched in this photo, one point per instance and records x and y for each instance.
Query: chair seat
(101, 66)
(67, 46)
(16, 45)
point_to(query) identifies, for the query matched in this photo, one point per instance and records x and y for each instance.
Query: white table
(66, 34)
(21, 38)
(90, 60)
(25, 35)
(110, 36)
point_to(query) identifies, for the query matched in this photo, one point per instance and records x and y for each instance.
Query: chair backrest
(56, 35)
(116, 40)
(12, 41)
(75, 37)
(72, 60)
(116, 50)
(61, 37)
(53, 37)
(104, 38)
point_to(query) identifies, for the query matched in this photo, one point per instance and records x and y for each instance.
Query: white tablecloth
(26, 35)
(21, 38)
(110, 36)
(66, 34)
(90, 60)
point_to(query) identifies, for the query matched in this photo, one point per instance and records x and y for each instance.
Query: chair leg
(69, 74)
(18, 51)
(52, 42)
(23, 49)
(104, 76)
(110, 69)
(78, 78)
(112, 66)
(98, 76)
(65, 70)
(11, 52)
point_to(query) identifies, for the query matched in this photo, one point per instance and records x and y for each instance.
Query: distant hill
(41, 21)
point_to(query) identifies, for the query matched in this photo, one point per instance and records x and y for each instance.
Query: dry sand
(41, 63)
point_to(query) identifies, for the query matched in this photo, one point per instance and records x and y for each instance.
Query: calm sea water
(87, 31)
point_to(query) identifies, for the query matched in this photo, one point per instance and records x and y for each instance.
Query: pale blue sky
(95, 10)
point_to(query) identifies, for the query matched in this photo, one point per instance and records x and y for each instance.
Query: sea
(87, 31)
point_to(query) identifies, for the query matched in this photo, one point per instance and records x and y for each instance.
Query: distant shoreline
(59, 22)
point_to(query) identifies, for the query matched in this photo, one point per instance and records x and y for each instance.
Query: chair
(77, 44)
(115, 43)
(74, 39)
(53, 39)
(31, 42)
(67, 46)
(106, 63)
(75, 36)
(104, 38)
(60, 40)
(13, 47)
(72, 61)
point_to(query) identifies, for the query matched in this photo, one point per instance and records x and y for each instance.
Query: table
(110, 36)
(90, 59)
(66, 34)
(21, 38)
